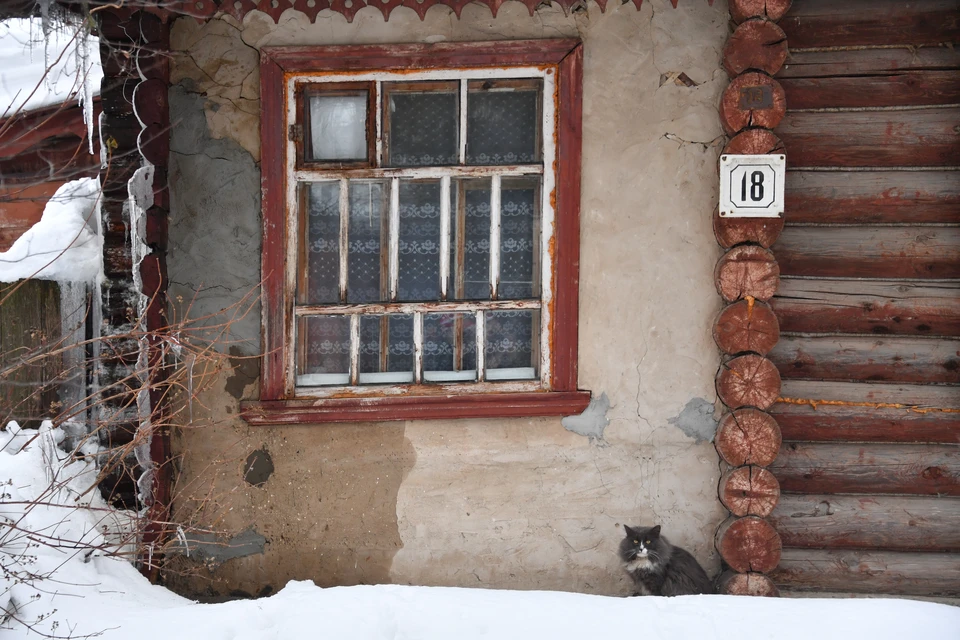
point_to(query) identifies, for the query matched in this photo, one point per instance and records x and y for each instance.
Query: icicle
(86, 68)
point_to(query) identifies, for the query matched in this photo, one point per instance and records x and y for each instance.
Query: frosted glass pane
(338, 127)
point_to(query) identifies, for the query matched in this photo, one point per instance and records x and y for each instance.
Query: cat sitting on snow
(658, 568)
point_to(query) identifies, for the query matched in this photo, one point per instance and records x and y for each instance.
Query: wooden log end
(754, 142)
(749, 491)
(748, 436)
(756, 45)
(752, 100)
(741, 10)
(748, 381)
(747, 584)
(733, 231)
(749, 544)
(747, 270)
(747, 326)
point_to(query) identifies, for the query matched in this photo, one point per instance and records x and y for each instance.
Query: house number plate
(752, 186)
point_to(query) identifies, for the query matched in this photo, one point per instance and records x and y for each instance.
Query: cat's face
(638, 542)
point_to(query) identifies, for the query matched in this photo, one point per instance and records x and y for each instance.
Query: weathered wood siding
(869, 299)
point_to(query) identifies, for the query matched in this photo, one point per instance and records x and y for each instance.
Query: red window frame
(278, 403)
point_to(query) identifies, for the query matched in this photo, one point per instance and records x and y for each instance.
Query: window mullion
(355, 349)
(344, 236)
(444, 235)
(463, 121)
(417, 347)
(394, 236)
(480, 331)
(379, 122)
(494, 236)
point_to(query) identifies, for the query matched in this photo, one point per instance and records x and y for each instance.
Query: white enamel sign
(752, 186)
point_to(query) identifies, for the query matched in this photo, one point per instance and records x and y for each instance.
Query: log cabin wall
(869, 353)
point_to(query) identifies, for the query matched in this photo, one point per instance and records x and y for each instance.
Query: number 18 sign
(752, 186)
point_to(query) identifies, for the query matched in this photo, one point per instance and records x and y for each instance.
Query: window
(421, 231)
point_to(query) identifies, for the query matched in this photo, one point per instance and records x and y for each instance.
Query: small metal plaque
(751, 186)
(756, 97)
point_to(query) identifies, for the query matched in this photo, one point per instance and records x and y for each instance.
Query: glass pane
(386, 349)
(503, 123)
(323, 350)
(470, 244)
(321, 283)
(519, 238)
(512, 348)
(367, 253)
(338, 127)
(419, 247)
(422, 121)
(449, 347)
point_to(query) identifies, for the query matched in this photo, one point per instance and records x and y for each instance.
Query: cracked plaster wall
(520, 503)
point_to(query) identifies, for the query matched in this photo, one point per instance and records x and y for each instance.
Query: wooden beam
(907, 88)
(889, 572)
(853, 62)
(917, 469)
(917, 523)
(869, 252)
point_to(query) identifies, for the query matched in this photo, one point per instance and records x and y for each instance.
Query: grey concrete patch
(592, 421)
(259, 468)
(696, 420)
(213, 550)
(246, 370)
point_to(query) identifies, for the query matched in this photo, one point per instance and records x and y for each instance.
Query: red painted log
(864, 62)
(872, 197)
(827, 23)
(868, 306)
(749, 491)
(915, 137)
(746, 584)
(741, 10)
(911, 469)
(748, 436)
(887, 359)
(745, 326)
(749, 544)
(150, 100)
(870, 252)
(754, 142)
(756, 45)
(733, 231)
(748, 381)
(747, 271)
(910, 88)
(752, 100)
(896, 523)
(889, 572)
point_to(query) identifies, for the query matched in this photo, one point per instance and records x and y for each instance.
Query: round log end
(754, 142)
(752, 100)
(747, 270)
(749, 544)
(741, 10)
(749, 491)
(733, 231)
(756, 45)
(748, 381)
(747, 584)
(747, 326)
(748, 436)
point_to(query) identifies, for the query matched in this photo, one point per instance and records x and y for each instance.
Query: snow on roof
(25, 55)
(63, 244)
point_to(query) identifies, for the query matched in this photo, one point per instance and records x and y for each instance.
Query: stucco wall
(521, 503)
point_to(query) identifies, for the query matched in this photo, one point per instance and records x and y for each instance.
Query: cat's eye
(636, 542)
(646, 542)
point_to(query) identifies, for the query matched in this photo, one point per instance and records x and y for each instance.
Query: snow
(63, 244)
(24, 56)
(94, 592)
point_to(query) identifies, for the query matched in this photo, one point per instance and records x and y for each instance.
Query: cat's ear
(629, 531)
(655, 532)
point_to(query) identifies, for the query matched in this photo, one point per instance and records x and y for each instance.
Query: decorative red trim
(491, 405)
(566, 304)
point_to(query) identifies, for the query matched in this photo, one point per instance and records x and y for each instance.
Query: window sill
(448, 407)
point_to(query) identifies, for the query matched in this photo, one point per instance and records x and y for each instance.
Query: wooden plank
(887, 359)
(913, 469)
(853, 62)
(917, 523)
(869, 252)
(872, 197)
(827, 23)
(909, 88)
(888, 572)
(920, 396)
(21, 206)
(868, 306)
(895, 138)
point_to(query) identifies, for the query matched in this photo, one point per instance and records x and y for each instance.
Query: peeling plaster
(696, 420)
(592, 421)
(213, 550)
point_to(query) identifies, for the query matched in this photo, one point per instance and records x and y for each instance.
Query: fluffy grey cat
(658, 568)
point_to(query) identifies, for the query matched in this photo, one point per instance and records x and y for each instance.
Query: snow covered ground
(87, 591)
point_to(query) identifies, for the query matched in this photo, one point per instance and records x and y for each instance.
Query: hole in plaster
(259, 468)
